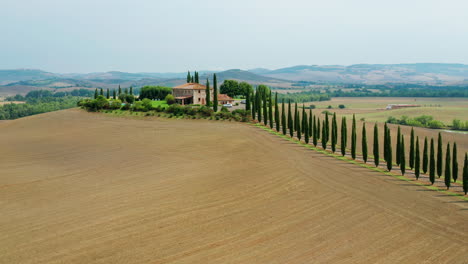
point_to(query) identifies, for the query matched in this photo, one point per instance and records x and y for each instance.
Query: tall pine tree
(411, 153)
(389, 150)
(101, 92)
(364, 143)
(432, 164)
(120, 90)
(189, 78)
(254, 107)
(465, 174)
(448, 171)
(398, 146)
(439, 156)
(385, 145)
(425, 156)
(314, 134)
(277, 113)
(454, 163)
(283, 118)
(306, 128)
(311, 125)
(215, 93)
(208, 94)
(270, 110)
(334, 136)
(114, 96)
(376, 145)
(290, 119)
(417, 160)
(95, 93)
(298, 125)
(402, 155)
(353, 138)
(344, 135)
(265, 108)
(108, 94)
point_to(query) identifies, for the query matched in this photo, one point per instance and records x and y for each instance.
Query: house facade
(195, 93)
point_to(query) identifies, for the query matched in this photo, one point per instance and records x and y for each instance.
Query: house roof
(224, 97)
(192, 86)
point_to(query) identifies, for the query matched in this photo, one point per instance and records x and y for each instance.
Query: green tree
(189, 78)
(425, 157)
(283, 118)
(398, 146)
(344, 135)
(448, 176)
(454, 163)
(324, 132)
(353, 138)
(465, 174)
(311, 125)
(314, 134)
(364, 143)
(247, 102)
(439, 156)
(318, 128)
(131, 90)
(120, 90)
(259, 105)
(254, 107)
(215, 93)
(101, 92)
(196, 77)
(95, 93)
(298, 124)
(389, 150)
(411, 153)
(290, 120)
(376, 145)
(208, 93)
(114, 96)
(402, 155)
(326, 125)
(306, 128)
(265, 109)
(385, 146)
(334, 136)
(270, 111)
(192, 79)
(417, 160)
(432, 163)
(295, 119)
(108, 94)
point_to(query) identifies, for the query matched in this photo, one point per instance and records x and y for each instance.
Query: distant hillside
(10, 76)
(252, 78)
(421, 73)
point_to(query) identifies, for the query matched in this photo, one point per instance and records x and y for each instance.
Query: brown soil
(77, 187)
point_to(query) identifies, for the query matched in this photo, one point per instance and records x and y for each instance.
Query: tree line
(265, 109)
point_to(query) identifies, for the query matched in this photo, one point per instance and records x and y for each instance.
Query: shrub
(170, 99)
(115, 104)
(329, 107)
(435, 124)
(327, 112)
(188, 110)
(205, 111)
(147, 104)
(341, 106)
(175, 109)
(224, 109)
(126, 107)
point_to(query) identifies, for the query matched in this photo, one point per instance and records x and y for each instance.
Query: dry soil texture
(77, 187)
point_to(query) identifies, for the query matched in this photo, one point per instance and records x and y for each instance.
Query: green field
(159, 103)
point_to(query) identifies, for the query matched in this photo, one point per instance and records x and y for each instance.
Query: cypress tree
(402, 155)
(108, 94)
(448, 176)
(318, 128)
(364, 143)
(324, 132)
(113, 94)
(295, 119)
(334, 133)
(439, 156)
(411, 152)
(131, 90)
(326, 125)
(385, 145)
(432, 163)
(425, 157)
(126, 91)
(215, 93)
(376, 145)
(398, 146)
(306, 128)
(254, 107)
(265, 109)
(192, 79)
(454, 163)
(188, 77)
(208, 94)
(389, 151)
(95, 93)
(101, 92)
(311, 125)
(259, 106)
(120, 90)
(417, 160)
(247, 101)
(277, 113)
(303, 121)
(298, 125)
(353, 138)
(283, 118)
(314, 134)
(344, 133)
(270, 111)
(290, 120)
(465, 174)
(196, 77)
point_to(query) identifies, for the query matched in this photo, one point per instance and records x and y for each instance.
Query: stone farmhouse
(195, 93)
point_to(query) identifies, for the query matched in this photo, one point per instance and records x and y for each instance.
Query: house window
(198, 99)
(198, 91)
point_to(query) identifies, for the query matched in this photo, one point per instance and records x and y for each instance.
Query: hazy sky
(177, 35)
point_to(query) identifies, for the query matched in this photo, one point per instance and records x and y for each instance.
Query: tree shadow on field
(457, 202)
